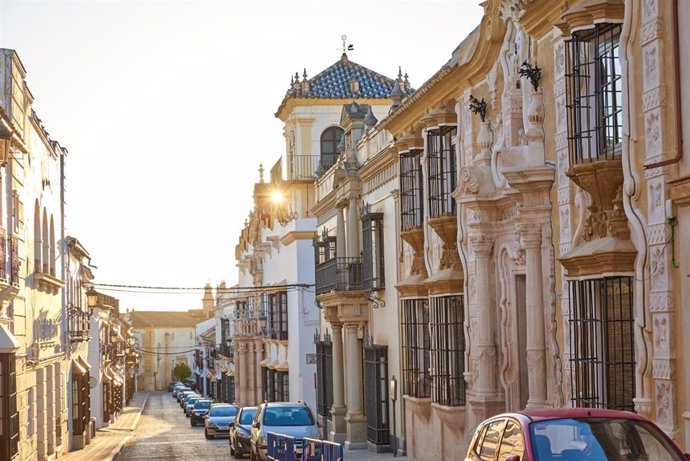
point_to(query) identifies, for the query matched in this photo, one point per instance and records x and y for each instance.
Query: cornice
(586, 13)
(293, 236)
(289, 104)
(378, 163)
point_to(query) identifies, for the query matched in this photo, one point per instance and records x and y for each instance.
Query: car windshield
(247, 416)
(600, 439)
(288, 416)
(223, 411)
(204, 404)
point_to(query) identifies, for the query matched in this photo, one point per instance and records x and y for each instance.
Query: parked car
(219, 419)
(189, 403)
(571, 434)
(182, 396)
(241, 432)
(290, 418)
(171, 386)
(199, 411)
(179, 389)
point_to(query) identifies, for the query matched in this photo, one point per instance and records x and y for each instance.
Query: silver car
(290, 418)
(218, 419)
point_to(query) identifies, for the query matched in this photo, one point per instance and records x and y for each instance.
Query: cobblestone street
(164, 433)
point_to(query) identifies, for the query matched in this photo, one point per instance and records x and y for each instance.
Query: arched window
(38, 245)
(52, 246)
(330, 139)
(45, 255)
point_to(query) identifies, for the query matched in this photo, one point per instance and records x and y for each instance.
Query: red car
(571, 434)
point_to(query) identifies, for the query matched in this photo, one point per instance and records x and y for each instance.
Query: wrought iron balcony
(78, 324)
(339, 274)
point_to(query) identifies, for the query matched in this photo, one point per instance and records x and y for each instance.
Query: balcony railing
(78, 324)
(302, 167)
(339, 274)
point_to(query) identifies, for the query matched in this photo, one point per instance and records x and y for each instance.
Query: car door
(486, 446)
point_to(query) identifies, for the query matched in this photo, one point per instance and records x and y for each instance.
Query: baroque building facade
(541, 187)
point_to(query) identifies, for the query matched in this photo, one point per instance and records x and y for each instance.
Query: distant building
(164, 339)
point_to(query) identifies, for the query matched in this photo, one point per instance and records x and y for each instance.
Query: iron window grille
(330, 139)
(416, 347)
(602, 344)
(81, 396)
(9, 416)
(411, 192)
(446, 317)
(373, 273)
(376, 394)
(442, 175)
(324, 374)
(594, 94)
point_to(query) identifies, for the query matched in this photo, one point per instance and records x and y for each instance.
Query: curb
(116, 451)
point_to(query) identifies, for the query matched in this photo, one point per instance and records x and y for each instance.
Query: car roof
(223, 404)
(285, 404)
(546, 414)
(250, 408)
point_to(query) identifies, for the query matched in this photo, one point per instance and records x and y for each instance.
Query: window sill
(47, 282)
(451, 416)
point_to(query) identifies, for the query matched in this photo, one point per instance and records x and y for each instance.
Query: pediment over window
(588, 12)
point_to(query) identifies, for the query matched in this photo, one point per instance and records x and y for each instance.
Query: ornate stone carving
(652, 123)
(481, 244)
(468, 180)
(530, 235)
(473, 216)
(664, 403)
(661, 335)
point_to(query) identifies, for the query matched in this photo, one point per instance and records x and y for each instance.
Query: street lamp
(92, 299)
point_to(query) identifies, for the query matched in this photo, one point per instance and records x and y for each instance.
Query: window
(512, 442)
(278, 316)
(489, 444)
(372, 256)
(276, 385)
(602, 348)
(324, 258)
(330, 139)
(376, 394)
(441, 172)
(411, 193)
(416, 347)
(324, 374)
(446, 317)
(9, 417)
(594, 92)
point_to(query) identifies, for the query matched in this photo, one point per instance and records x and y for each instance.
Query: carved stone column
(340, 233)
(241, 374)
(355, 420)
(484, 350)
(338, 410)
(352, 229)
(536, 360)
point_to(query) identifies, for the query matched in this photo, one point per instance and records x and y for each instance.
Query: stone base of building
(337, 427)
(356, 424)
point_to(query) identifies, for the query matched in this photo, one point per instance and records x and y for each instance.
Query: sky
(167, 110)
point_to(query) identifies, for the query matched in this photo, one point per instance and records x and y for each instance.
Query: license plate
(222, 428)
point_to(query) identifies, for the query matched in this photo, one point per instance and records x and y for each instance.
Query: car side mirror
(513, 458)
(256, 425)
(319, 424)
(232, 424)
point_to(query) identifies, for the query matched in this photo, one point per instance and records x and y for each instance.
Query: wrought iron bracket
(375, 301)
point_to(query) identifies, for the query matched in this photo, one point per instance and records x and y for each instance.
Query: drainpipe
(631, 189)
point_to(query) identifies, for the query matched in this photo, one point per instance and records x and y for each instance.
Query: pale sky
(167, 109)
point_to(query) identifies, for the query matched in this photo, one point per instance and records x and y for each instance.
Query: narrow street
(165, 433)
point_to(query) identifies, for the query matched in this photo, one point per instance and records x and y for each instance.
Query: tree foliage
(182, 371)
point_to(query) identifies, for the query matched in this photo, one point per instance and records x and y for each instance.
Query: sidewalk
(110, 440)
(365, 455)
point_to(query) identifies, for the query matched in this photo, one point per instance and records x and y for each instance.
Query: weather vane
(346, 46)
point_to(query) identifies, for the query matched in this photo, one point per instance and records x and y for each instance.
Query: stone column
(536, 361)
(338, 430)
(244, 375)
(484, 350)
(340, 233)
(352, 230)
(355, 419)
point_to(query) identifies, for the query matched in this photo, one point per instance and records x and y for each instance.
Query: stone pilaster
(356, 423)
(536, 359)
(338, 410)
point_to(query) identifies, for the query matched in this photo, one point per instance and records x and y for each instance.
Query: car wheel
(206, 434)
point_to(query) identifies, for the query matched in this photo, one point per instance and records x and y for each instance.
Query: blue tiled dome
(334, 82)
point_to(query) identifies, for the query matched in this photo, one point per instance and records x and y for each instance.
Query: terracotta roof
(162, 319)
